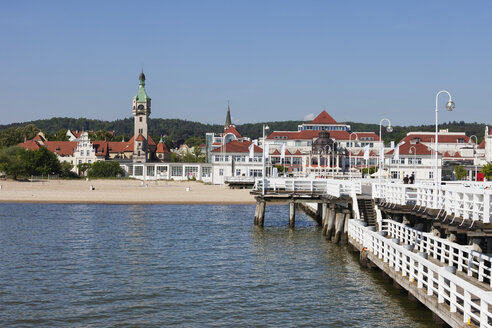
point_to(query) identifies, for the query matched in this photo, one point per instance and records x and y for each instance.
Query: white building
(233, 160)
(414, 158)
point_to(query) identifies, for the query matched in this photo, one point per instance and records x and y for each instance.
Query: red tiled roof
(120, 146)
(276, 152)
(324, 118)
(150, 141)
(29, 145)
(162, 148)
(232, 130)
(140, 137)
(287, 152)
(297, 152)
(420, 149)
(482, 144)
(101, 147)
(235, 146)
(62, 148)
(430, 137)
(361, 135)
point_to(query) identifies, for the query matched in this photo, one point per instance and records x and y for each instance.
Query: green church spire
(141, 96)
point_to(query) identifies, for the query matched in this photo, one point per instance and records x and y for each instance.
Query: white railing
(330, 187)
(464, 258)
(469, 201)
(472, 303)
(240, 179)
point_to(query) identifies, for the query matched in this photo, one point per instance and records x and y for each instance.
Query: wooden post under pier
(260, 212)
(292, 214)
(319, 213)
(331, 221)
(339, 224)
(324, 219)
(348, 216)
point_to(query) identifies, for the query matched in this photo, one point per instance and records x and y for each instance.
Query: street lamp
(389, 129)
(414, 159)
(265, 128)
(350, 153)
(475, 154)
(449, 106)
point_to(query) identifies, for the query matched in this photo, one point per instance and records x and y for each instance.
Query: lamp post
(265, 128)
(475, 154)
(414, 160)
(350, 153)
(449, 106)
(389, 128)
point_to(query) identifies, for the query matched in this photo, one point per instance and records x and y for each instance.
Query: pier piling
(339, 223)
(331, 221)
(292, 214)
(260, 212)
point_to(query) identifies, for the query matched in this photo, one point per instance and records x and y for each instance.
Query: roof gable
(324, 118)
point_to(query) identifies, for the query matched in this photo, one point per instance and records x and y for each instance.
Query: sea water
(184, 266)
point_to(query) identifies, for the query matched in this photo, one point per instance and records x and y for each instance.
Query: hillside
(180, 130)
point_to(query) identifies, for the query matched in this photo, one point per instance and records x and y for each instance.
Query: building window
(431, 175)
(191, 171)
(150, 171)
(161, 170)
(206, 172)
(238, 172)
(138, 170)
(255, 173)
(177, 171)
(140, 118)
(221, 172)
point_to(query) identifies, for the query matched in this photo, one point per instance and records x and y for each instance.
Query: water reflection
(189, 266)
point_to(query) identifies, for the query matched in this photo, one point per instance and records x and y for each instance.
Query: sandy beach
(121, 192)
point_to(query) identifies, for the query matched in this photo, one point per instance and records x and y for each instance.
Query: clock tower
(141, 112)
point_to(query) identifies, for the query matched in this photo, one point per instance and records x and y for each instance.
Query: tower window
(140, 118)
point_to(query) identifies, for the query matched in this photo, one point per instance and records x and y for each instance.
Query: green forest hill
(178, 131)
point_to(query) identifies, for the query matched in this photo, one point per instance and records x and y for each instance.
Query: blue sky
(273, 60)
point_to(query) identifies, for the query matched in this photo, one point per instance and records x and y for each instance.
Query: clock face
(140, 107)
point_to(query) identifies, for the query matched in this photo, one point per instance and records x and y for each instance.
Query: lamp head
(267, 128)
(389, 129)
(450, 105)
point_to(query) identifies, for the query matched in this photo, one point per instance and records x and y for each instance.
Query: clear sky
(273, 60)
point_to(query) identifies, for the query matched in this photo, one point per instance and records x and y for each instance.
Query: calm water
(185, 266)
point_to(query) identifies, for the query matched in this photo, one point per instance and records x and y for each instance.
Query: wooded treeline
(180, 130)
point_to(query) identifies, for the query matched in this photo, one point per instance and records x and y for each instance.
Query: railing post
(486, 207)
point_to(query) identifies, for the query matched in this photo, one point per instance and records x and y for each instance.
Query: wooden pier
(435, 254)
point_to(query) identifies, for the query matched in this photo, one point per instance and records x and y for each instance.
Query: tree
(487, 171)
(10, 162)
(194, 141)
(105, 169)
(459, 172)
(66, 170)
(40, 162)
(83, 167)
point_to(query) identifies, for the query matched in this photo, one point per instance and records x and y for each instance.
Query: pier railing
(472, 303)
(335, 188)
(462, 257)
(467, 200)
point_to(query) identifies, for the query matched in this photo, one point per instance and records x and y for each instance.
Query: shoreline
(122, 192)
